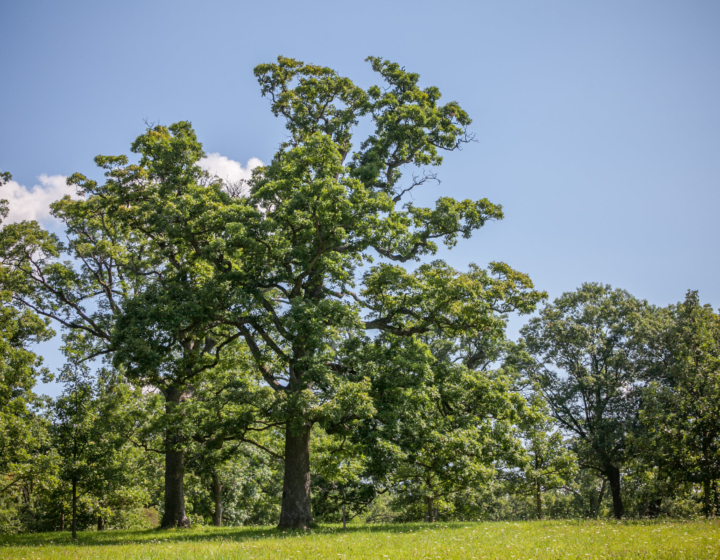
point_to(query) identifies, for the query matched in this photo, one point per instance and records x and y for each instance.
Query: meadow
(481, 540)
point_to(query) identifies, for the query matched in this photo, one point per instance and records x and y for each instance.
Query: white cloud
(34, 203)
(227, 169)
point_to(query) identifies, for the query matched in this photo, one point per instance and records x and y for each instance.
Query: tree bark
(62, 521)
(707, 489)
(174, 515)
(296, 510)
(343, 518)
(217, 497)
(538, 498)
(596, 512)
(613, 474)
(100, 523)
(429, 514)
(74, 509)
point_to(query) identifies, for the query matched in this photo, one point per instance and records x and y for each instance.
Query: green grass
(511, 541)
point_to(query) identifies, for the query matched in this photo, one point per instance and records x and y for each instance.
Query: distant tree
(93, 421)
(118, 480)
(681, 404)
(74, 417)
(587, 359)
(548, 464)
(230, 411)
(445, 421)
(341, 489)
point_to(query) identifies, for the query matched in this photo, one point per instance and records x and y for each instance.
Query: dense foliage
(264, 353)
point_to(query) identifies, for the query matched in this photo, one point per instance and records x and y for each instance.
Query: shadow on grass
(199, 534)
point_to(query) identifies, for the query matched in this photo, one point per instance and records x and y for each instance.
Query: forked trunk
(217, 498)
(296, 512)
(613, 474)
(174, 515)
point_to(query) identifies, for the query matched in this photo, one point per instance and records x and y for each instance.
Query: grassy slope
(551, 539)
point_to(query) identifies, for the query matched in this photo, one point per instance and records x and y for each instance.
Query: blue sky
(598, 123)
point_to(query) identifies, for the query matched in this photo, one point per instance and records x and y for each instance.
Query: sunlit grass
(513, 541)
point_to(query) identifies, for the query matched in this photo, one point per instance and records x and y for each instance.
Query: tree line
(288, 350)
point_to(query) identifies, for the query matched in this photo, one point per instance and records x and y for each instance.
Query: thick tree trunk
(74, 509)
(296, 512)
(217, 498)
(613, 474)
(538, 499)
(100, 523)
(174, 515)
(429, 517)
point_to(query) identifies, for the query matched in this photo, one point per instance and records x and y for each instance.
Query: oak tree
(587, 351)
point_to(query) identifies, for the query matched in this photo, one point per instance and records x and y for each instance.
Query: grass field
(512, 541)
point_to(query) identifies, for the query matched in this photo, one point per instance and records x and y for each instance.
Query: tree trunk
(707, 490)
(100, 523)
(343, 517)
(436, 515)
(62, 521)
(613, 474)
(74, 509)
(429, 514)
(600, 499)
(538, 499)
(174, 515)
(296, 512)
(653, 509)
(217, 497)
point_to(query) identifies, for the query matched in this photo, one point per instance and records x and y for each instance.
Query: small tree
(549, 464)
(74, 418)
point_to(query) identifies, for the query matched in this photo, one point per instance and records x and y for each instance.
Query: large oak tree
(284, 262)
